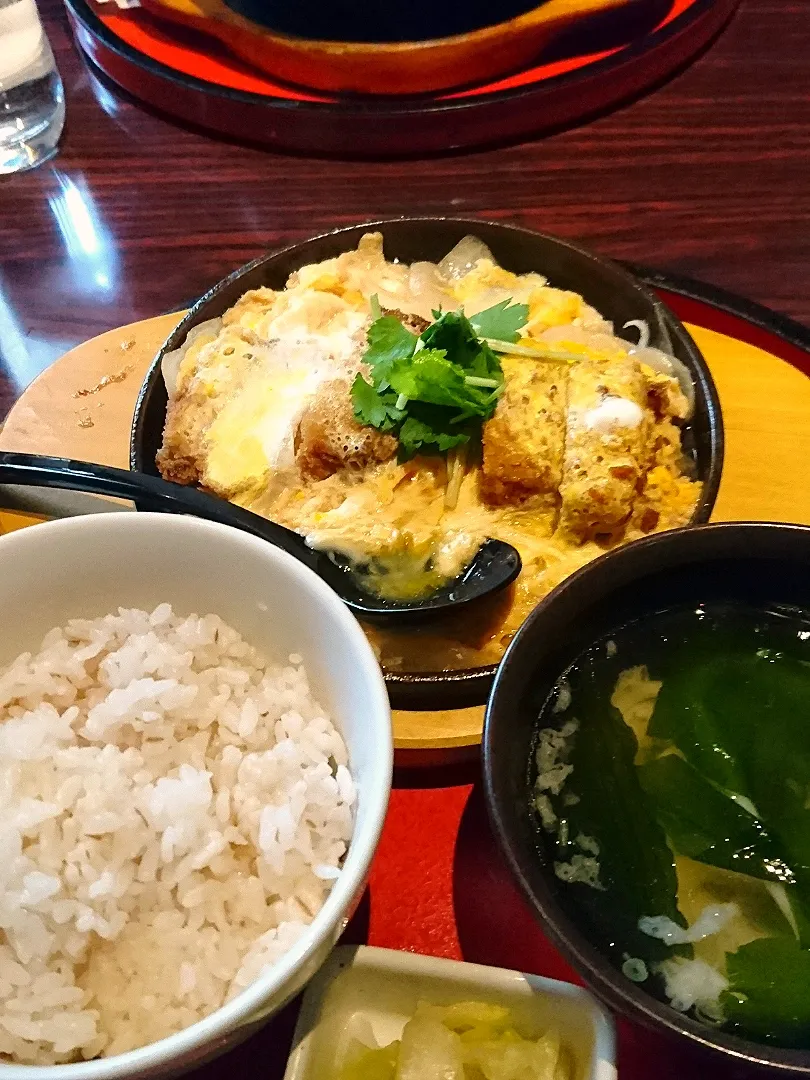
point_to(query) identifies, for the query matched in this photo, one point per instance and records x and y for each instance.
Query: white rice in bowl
(174, 811)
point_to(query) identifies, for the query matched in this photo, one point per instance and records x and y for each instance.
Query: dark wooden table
(709, 175)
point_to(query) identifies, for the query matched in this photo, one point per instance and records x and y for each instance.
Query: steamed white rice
(173, 813)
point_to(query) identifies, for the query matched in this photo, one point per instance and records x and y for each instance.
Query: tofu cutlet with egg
(264, 396)
(608, 426)
(329, 438)
(595, 435)
(583, 444)
(534, 435)
(582, 452)
(524, 442)
(232, 419)
(582, 431)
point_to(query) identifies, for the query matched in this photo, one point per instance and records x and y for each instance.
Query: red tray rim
(716, 11)
(768, 323)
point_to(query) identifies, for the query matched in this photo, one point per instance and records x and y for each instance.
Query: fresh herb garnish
(431, 377)
(416, 436)
(373, 408)
(501, 322)
(433, 390)
(388, 341)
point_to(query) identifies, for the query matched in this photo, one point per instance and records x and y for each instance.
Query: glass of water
(32, 102)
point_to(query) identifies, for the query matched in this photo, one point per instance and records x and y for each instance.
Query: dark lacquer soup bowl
(720, 615)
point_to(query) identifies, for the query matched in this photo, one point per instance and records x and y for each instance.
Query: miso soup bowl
(753, 562)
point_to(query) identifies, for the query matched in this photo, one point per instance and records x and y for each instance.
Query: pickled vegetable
(470, 1040)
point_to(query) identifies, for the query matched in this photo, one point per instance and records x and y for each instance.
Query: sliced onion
(170, 362)
(456, 467)
(170, 369)
(428, 290)
(463, 257)
(209, 326)
(643, 332)
(390, 288)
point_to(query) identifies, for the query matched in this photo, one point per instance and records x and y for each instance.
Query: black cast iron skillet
(761, 564)
(610, 289)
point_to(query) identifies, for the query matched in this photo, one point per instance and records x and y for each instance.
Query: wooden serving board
(82, 405)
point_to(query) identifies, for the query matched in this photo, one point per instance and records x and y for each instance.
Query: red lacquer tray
(193, 78)
(438, 884)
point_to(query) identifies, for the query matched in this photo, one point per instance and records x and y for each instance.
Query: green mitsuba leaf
(501, 322)
(424, 389)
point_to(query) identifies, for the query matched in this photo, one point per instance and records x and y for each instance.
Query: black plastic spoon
(495, 565)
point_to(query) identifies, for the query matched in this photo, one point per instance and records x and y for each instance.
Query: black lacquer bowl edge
(412, 237)
(783, 547)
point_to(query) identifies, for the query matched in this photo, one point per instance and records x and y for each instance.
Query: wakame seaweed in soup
(670, 776)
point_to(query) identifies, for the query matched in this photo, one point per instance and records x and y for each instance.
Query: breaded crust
(603, 470)
(415, 323)
(329, 438)
(664, 395)
(208, 376)
(181, 457)
(525, 439)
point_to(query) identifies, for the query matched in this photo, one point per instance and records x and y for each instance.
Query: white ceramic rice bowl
(89, 566)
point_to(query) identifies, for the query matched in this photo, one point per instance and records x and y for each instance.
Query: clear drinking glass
(32, 102)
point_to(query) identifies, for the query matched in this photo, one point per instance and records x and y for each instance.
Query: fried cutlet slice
(329, 438)
(230, 424)
(209, 375)
(607, 437)
(415, 323)
(525, 439)
(664, 395)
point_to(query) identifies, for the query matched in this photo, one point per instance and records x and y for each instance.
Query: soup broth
(670, 778)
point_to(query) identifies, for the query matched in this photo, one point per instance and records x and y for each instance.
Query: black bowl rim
(407, 43)
(462, 687)
(693, 544)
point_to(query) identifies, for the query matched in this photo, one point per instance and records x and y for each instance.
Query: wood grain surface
(707, 175)
(765, 403)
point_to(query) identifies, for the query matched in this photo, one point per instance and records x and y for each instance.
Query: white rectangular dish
(362, 990)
